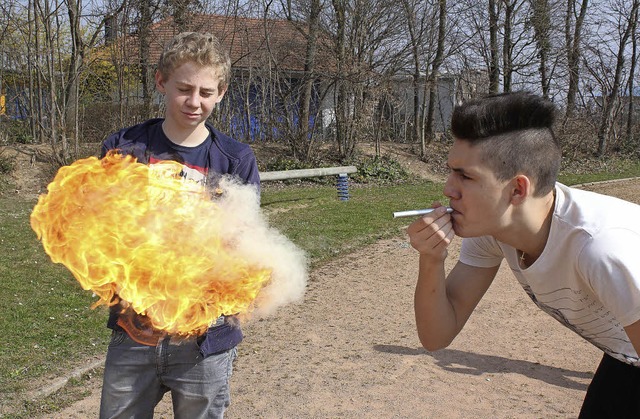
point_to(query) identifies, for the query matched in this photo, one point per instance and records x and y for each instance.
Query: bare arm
(443, 307)
(443, 303)
(633, 331)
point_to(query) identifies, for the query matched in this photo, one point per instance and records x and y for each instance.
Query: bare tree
(541, 22)
(433, 76)
(415, 29)
(360, 32)
(632, 75)
(76, 69)
(608, 69)
(144, 39)
(507, 44)
(573, 26)
(494, 67)
(313, 26)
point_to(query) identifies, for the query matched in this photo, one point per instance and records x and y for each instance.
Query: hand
(431, 234)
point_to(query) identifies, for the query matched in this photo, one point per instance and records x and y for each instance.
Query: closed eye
(459, 172)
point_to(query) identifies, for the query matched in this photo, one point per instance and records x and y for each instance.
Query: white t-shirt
(588, 276)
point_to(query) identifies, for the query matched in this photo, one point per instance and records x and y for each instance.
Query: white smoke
(254, 241)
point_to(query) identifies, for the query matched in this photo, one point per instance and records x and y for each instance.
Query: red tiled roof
(249, 41)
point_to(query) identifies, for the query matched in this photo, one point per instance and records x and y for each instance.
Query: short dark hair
(515, 133)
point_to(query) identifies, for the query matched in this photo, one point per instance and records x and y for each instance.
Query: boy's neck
(534, 225)
(188, 138)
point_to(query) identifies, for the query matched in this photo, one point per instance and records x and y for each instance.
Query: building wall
(446, 100)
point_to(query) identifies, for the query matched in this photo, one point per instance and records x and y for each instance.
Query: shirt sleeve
(109, 144)
(482, 252)
(610, 264)
(247, 170)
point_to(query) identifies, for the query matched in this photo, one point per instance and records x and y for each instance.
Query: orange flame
(142, 235)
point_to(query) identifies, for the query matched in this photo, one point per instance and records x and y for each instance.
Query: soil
(350, 349)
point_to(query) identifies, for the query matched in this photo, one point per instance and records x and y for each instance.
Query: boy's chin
(191, 123)
(462, 232)
(194, 121)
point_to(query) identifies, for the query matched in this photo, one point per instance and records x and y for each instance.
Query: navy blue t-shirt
(195, 160)
(217, 155)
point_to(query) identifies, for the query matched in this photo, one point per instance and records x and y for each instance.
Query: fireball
(143, 237)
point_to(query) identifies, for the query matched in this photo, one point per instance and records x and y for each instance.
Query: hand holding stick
(417, 213)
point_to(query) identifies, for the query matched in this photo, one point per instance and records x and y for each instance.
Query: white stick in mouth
(417, 213)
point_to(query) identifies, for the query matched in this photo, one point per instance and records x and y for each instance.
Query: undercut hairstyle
(203, 49)
(515, 136)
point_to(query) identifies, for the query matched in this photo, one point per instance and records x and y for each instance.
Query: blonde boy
(142, 364)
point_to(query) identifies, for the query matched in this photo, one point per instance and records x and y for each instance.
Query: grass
(46, 319)
(621, 170)
(325, 227)
(48, 325)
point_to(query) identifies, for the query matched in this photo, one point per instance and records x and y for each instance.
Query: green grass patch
(324, 226)
(620, 169)
(46, 319)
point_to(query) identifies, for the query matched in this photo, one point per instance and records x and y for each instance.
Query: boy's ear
(521, 188)
(160, 82)
(221, 92)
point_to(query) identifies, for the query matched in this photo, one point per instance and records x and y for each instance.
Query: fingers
(439, 217)
(432, 233)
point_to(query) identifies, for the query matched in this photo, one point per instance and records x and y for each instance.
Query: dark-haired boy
(574, 252)
(142, 363)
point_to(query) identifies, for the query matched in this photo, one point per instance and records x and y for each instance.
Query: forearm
(436, 319)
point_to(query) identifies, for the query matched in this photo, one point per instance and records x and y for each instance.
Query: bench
(342, 172)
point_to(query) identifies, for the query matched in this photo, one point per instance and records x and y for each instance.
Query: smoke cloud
(260, 244)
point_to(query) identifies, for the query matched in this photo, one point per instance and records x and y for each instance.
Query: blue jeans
(136, 377)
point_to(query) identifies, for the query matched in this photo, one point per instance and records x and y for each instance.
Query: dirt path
(350, 350)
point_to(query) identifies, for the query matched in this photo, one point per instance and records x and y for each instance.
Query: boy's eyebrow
(453, 169)
(204, 89)
(458, 170)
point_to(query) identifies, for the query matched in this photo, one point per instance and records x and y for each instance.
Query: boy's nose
(449, 190)
(193, 100)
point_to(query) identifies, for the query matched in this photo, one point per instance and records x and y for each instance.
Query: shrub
(379, 169)
(15, 132)
(7, 164)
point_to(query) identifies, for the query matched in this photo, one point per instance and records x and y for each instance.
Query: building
(268, 64)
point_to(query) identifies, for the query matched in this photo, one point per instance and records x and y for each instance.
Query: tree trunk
(437, 62)
(632, 73)
(606, 121)
(573, 38)
(541, 25)
(414, 41)
(340, 96)
(31, 68)
(72, 105)
(144, 38)
(494, 68)
(507, 46)
(309, 74)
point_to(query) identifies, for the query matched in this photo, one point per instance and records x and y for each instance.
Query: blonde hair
(200, 48)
